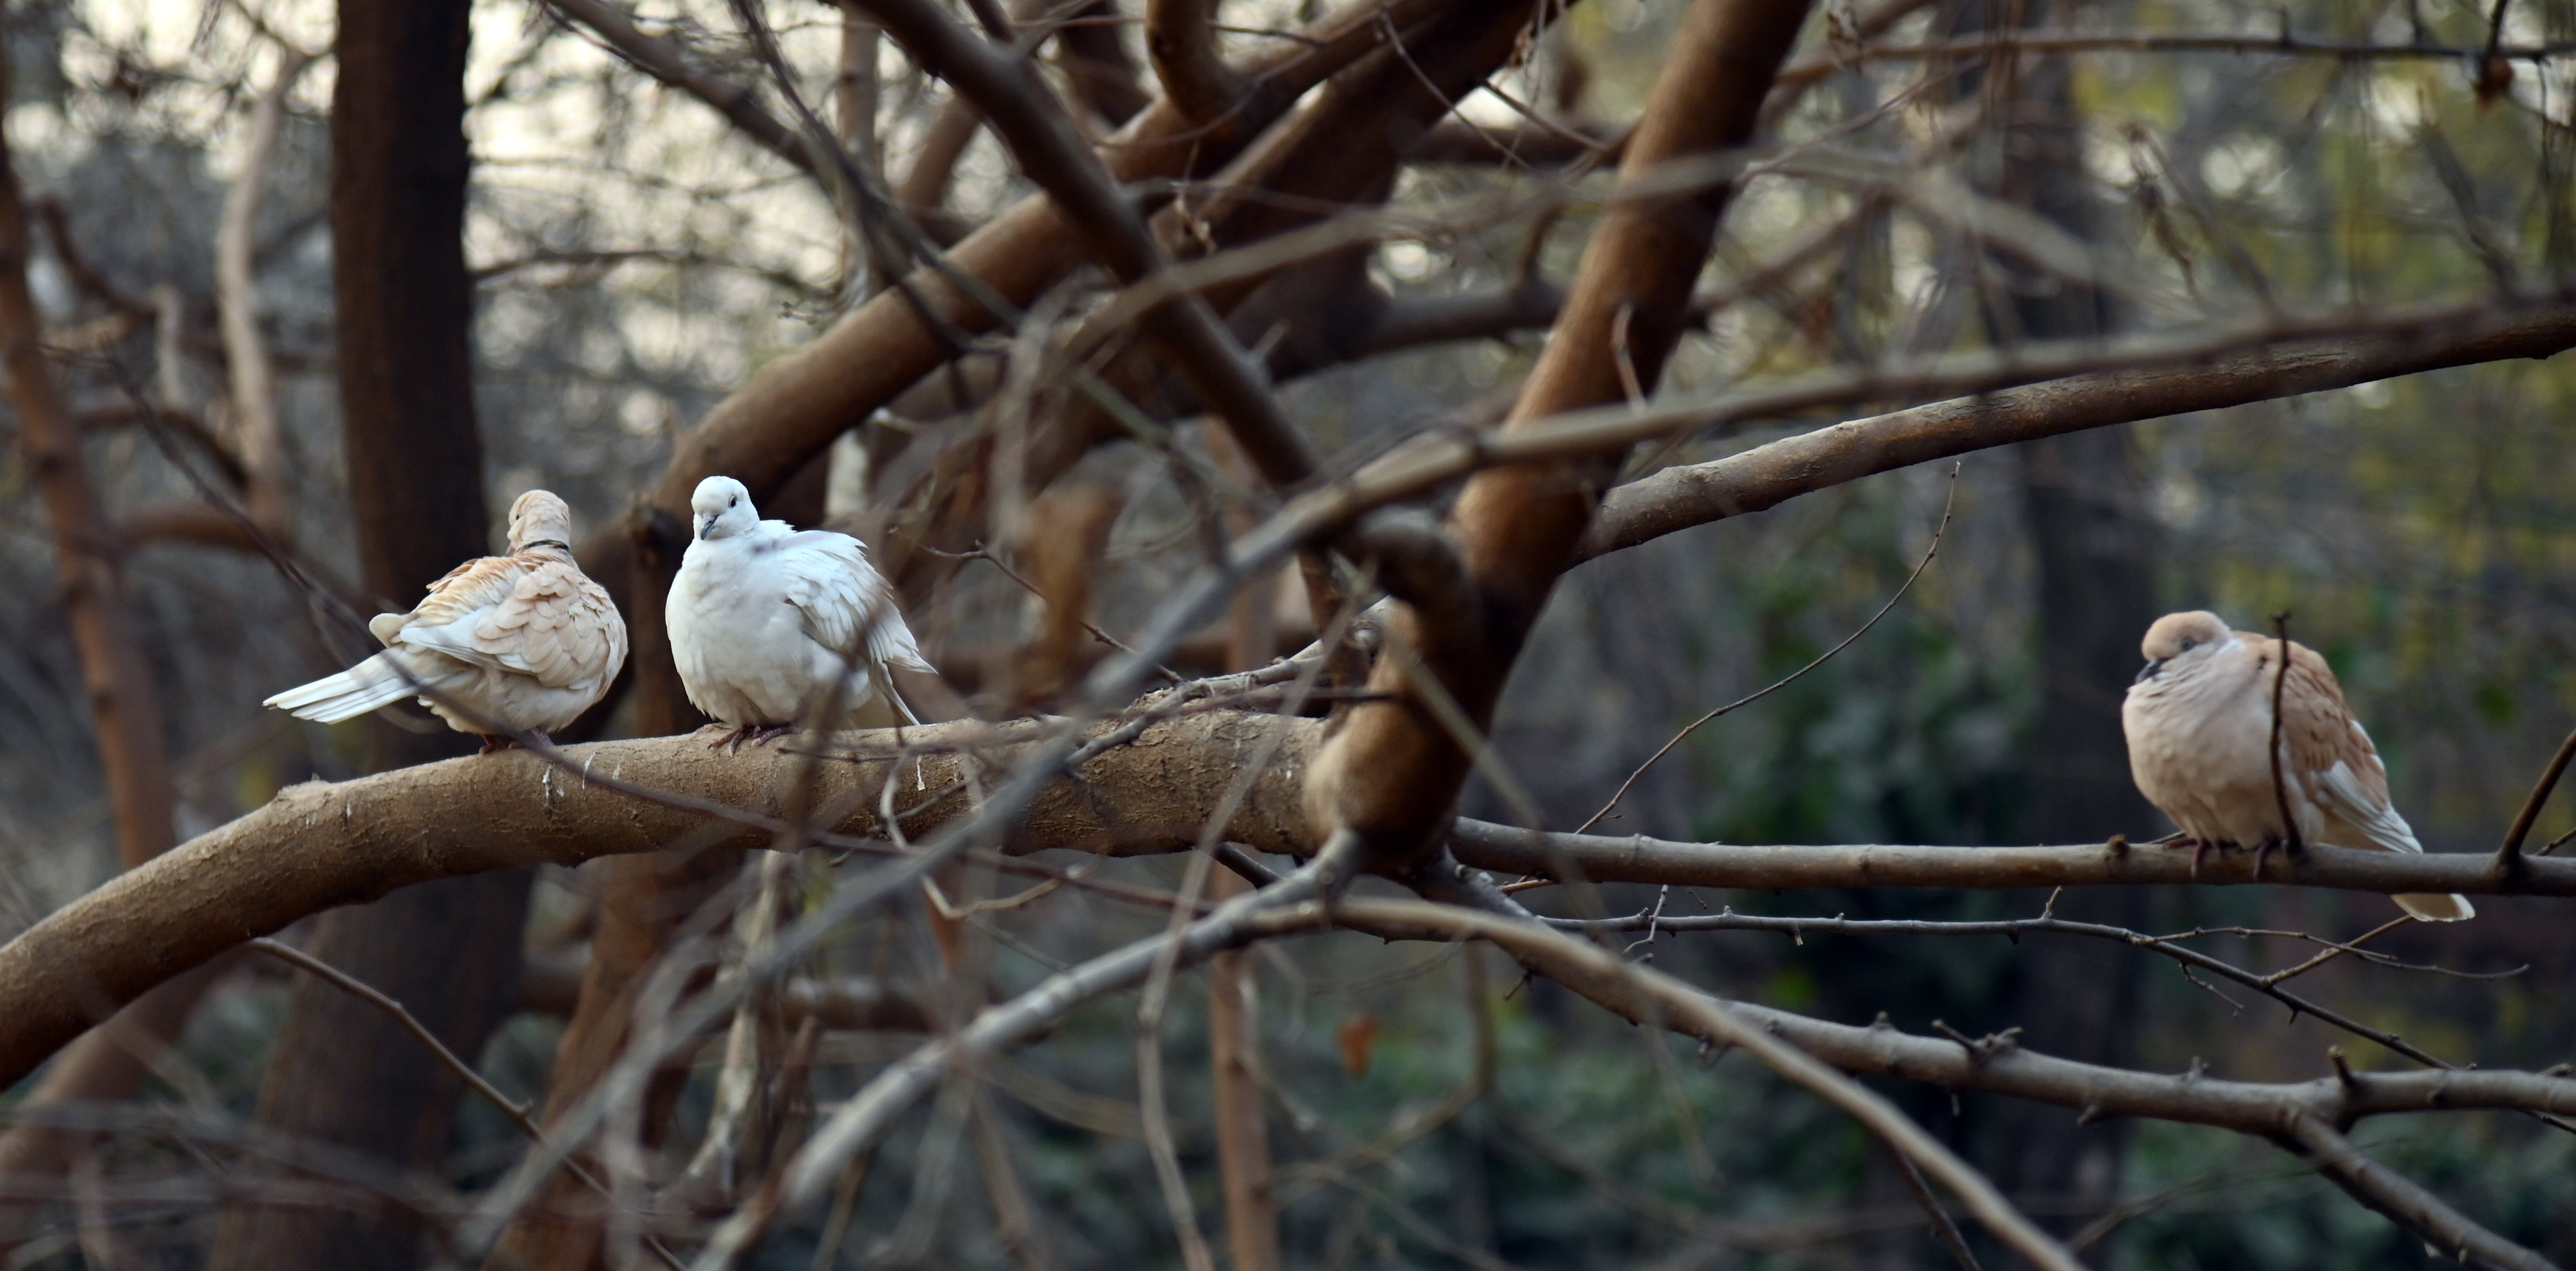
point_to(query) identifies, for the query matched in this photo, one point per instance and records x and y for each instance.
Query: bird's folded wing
(555, 626)
(828, 578)
(2332, 753)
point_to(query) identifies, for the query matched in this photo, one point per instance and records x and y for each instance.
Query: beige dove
(524, 642)
(2199, 721)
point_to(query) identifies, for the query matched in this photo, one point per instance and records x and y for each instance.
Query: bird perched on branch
(522, 643)
(2199, 721)
(765, 619)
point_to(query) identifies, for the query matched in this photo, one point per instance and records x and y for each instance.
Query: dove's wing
(556, 626)
(828, 579)
(537, 616)
(2339, 768)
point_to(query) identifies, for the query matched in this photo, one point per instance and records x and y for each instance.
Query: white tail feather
(373, 683)
(2436, 908)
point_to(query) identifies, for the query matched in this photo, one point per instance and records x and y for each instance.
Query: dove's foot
(2199, 851)
(763, 736)
(2264, 849)
(492, 743)
(730, 741)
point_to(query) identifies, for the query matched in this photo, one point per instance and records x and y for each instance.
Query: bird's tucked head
(2182, 640)
(539, 519)
(721, 508)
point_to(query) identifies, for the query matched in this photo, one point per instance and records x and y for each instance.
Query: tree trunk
(343, 1073)
(2083, 496)
(115, 676)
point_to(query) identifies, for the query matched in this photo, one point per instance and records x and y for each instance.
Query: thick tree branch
(1034, 125)
(1678, 498)
(1180, 41)
(318, 846)
(796, 405)
(1391, 772)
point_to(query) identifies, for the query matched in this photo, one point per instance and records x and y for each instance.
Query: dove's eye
(2189, 645)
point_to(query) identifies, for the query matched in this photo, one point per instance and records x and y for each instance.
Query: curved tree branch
(317, 845)
(1180, 40)
(1681, 497)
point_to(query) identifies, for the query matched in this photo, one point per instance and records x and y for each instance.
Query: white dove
(2199, 722)
(524, 642)
(763, 618)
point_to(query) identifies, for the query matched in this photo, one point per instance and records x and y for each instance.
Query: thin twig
(2281, 792)
(2510, 855)
(1934, 549)
(371, 995)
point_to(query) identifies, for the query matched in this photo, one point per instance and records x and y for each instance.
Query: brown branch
(1284, 908)
(256, 432)
(1997, 1064)
(1180, 42)
(1391, 772)
(1681, 497)
(1242, 1135)
(1096, 64)
(2405, 1202)
(2041, 43)
(1034, 125)
(1638, 859)
(358, 840)
(2509, 856)
(866, 1116)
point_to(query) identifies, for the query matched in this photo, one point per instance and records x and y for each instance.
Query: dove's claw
(763, 736)
(2199, 849)
(2261, 850)
(492, 743)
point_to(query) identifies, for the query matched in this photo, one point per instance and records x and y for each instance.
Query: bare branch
(2406, 1203)
(658, 58)
(1678, 498)
(1638, 859)
(1180, 40)
(254, 421)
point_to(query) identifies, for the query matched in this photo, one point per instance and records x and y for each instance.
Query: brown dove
(2199, 720)
(523, 643)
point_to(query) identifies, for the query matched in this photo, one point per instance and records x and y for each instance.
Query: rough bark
(115, 676)
(1393, 771)
(343, 1073)
(318, 846)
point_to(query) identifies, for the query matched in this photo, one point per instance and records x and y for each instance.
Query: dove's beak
(706, 523)
(2148, 672)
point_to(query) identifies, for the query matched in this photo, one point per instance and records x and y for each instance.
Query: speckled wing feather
(532, 613)
(556, 625)
(2317, 728)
